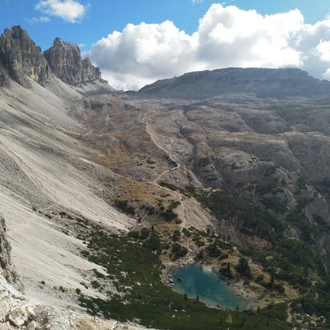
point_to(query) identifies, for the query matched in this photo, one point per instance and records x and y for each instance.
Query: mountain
(48, 181)
(103, 193)
(65, 60)
(278, 83)
(20, 57)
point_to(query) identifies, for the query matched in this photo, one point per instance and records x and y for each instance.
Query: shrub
(123, 205)
(260, 278)
(243, 267)
(179, 251)
(213, 250)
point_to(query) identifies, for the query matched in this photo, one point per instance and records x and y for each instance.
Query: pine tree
(229, 319)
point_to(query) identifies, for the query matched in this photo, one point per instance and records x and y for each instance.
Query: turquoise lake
(197, 281)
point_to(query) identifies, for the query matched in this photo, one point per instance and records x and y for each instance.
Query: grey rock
(4, 78)
(66, 62)
(279, 83)
(21, 58)
(7, 269)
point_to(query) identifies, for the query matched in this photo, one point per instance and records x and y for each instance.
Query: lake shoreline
(249, 296)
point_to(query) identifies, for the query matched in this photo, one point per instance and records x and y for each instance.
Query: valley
(104, 193)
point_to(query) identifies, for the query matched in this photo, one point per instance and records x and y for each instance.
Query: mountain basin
(202, 282)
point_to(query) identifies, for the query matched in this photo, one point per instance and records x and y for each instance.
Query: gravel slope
(45, 170)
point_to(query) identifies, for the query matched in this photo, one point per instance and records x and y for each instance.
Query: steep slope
(46, 171)
(18, 312)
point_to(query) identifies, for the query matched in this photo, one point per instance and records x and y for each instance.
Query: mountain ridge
(20, 57)
(262, 82)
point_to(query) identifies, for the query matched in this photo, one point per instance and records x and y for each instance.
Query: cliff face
(65, 60)
(4, 79)
(6, 268)
(20, 57)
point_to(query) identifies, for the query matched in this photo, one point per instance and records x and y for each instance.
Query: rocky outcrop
(272, 83)
(21, 58)
(17, 312)
(66, 62)
(6, 268)
(4, 79)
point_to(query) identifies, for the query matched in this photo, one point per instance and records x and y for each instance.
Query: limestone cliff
(20, 57)
(4, 79)
(6, 267)
(66, 62)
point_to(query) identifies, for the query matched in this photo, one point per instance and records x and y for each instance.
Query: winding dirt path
(155, 181)
(160, 147)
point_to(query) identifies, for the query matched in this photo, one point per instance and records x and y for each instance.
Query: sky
(136, 42)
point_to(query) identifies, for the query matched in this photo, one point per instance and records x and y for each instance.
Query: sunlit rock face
(67, 64)
(20, 57)
(6, 267)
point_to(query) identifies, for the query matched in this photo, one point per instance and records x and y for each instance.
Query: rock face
(65, 60)
(20, 57)
(17, 312)
(277, 83)
(4, 79)
(6, 268)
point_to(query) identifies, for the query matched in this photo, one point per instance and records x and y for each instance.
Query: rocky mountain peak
(58, 42)
(20, 57)
(66, 62)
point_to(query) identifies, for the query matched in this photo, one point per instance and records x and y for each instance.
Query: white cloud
(144, 52)
(226, 36)
(36, 20)
(323, 50)
(69, 10)
(197, 1)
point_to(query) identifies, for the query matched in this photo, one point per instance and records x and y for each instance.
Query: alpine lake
(196, 281)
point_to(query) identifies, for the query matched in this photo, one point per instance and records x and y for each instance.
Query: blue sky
(136, 42)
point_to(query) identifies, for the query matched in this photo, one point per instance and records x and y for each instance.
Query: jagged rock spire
(66, 62)
(20, 57)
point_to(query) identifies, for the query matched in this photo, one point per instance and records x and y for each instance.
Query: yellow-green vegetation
(135, 263)
(146, 201)
(281, 266)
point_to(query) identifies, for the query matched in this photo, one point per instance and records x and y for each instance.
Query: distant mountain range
(278, 83)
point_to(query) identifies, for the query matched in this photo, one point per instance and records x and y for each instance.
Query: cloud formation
(226, 37)
(69, 10)
(36, 20)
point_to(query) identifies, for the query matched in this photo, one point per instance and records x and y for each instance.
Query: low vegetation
(255, 220)
(133, 260)
(133, 263)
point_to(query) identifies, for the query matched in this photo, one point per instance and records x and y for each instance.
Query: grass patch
(149, 300)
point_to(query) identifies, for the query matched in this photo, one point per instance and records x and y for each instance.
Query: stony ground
(65, 157)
